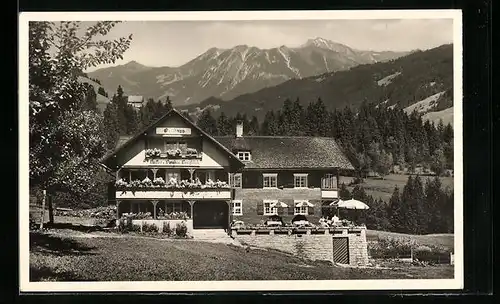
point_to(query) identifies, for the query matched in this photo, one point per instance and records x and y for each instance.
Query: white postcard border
(180, 286)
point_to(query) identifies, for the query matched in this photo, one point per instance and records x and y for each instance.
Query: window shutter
(260, 208)
(310, 210)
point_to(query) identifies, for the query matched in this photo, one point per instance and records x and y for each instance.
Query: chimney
(239, 128)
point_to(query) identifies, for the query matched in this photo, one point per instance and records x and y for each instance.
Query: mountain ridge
(401, 83)
(228, 73)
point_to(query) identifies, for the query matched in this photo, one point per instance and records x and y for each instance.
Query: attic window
(244, 155)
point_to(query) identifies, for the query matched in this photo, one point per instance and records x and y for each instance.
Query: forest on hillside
(375, 139)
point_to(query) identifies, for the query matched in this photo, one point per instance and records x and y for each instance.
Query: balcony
(191, 156)
(329, 188)
(184, 190)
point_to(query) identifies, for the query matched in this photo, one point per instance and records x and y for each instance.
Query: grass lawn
(383, 188)
(445, 240)
(66, 255)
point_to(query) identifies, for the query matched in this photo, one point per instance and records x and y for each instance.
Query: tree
(90, 101)
(253, 126)
(65, 141)
(111, 130)
(102, 92)
(207, 122)
(438, 162)
(396, 212)
(344, 193)
(270, 125)
(224, 125)
(384, 163)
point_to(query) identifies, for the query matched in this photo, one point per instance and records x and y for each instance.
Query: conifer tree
(253, 126)
(224, 125)
(397, 212)
(207, 122)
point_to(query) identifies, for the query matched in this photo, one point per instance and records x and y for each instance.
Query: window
(300, 180)
(235, 179)
(301, 207)
(210, 175)
(173, 207)
(236, 207)
(172, 174)
(268, 210)
(170, 144)
(270, 180)
(244, 155)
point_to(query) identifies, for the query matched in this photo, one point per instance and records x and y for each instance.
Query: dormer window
(244, 155)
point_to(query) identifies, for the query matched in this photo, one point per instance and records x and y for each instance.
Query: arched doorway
(210, 215)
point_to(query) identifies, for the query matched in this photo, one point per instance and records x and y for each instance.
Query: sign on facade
(166, 161)
(173, 131)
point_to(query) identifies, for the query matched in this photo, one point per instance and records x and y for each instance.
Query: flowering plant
(174, 152)
(159, 181)
(121, 183)
(134, 184)
(146, 182)
(153, 153)
(172, 216)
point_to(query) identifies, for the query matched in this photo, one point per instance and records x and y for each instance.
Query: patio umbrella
(279, 204)
(305, 203)
(352, 204)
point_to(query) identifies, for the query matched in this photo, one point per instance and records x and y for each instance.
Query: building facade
(175, 167)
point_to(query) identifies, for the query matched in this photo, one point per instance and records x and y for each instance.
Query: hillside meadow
(383, 188)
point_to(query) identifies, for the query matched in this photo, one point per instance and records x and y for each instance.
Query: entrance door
(210, 214)
(341, 250)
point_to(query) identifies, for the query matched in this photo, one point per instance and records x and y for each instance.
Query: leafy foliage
(64, 127)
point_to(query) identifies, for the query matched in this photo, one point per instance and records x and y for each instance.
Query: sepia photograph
(213, 151)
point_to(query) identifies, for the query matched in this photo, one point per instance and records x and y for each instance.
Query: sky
(173, 43)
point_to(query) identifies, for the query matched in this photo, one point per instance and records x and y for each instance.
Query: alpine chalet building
(174, 167)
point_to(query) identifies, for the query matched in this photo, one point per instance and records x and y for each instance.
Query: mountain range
(421, 81)
(227, 73)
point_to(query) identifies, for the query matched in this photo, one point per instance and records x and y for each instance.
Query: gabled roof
(287, 152)
(125, 141)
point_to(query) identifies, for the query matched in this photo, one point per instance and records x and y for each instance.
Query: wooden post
(229, 215)
(118, 210)
(43, 208)
(154, 172)
(191, 204)
(191, 172)
(154, 209)
(338, 179)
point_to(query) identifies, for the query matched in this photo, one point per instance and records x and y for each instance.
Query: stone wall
(313, 247)
(358, 247)
(310, 245)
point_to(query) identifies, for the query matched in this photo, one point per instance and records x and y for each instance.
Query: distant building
(136, 101)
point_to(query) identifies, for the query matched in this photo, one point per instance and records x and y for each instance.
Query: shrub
(149, 228)
(166, 228)
(181, 229)
(392, 247)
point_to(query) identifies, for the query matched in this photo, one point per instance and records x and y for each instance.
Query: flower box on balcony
(172, 154)
(159, 184)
